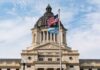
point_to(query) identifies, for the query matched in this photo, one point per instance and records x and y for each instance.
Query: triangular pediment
(49, 46)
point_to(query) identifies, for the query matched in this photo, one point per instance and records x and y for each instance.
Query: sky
(80, 17)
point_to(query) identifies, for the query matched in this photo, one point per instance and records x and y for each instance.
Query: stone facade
(44, 53)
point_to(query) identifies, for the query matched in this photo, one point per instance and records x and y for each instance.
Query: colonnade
(46, 36)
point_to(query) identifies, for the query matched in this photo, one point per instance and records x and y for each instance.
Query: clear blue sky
(80, 17)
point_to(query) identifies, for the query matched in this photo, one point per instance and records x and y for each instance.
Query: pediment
(46, 46)
(49, 46)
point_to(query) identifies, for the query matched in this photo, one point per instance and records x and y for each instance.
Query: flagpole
(60, 53)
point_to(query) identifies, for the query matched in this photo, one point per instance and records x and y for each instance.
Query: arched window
(41, 36)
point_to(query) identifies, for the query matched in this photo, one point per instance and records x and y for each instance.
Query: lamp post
(24, 66)
(23, 63)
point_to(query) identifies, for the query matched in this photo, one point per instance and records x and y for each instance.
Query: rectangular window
(58, 59)
(40, 59)
(48, 52)
(81, 68)
(71, 66)
(28, 66)
(17, 69)
(49, 59)
(8, 68)
(40, 69)
(98, 69)
(59, 69)
(90, 69)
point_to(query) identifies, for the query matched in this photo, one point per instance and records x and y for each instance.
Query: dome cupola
(42, 21)
(48, 9)
(40, 31)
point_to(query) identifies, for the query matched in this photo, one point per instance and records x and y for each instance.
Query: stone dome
(42, 21)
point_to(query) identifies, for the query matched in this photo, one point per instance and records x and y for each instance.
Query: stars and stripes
(52, 23)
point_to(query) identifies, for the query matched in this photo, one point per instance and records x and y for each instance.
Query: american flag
(53, 21)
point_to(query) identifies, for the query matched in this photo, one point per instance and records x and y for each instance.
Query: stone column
(36, 68)
(54, 37)
(45, 68)
(47, 36)
(50, 37)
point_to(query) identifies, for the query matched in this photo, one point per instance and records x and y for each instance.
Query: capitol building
(44, 54)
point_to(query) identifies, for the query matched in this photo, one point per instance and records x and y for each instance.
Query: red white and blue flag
(52, 23)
